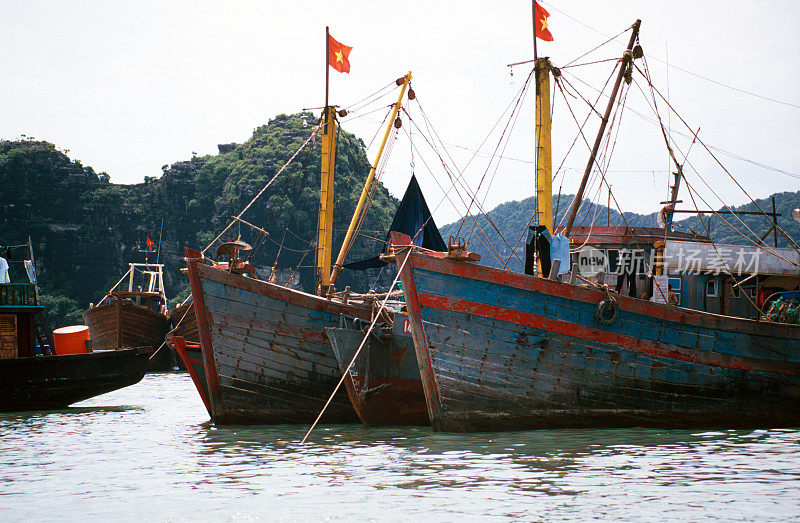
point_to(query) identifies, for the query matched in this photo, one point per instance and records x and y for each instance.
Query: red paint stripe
(179, 343)
(202, 326)
(582, 332)
(591, 295)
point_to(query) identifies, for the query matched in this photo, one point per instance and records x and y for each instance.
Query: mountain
(85, 229)
(504, 226)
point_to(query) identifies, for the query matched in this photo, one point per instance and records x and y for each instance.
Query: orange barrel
(71, 340)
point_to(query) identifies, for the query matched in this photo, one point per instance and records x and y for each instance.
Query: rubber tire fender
(606, 312)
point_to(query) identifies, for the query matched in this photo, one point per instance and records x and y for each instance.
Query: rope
(313, 134)
(358, 351)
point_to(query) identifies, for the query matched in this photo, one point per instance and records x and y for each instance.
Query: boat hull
(124, 324)
(500, 351)
(266, 356)
(383, 384)
(192, 358)
(52, 382)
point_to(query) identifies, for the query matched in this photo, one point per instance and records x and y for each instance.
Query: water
(149, 452)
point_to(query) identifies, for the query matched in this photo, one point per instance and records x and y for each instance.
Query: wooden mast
(348, 239)
(627, 57)
(327, 169)
(544, 168)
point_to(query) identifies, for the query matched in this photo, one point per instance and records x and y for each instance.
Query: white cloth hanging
(4, 271)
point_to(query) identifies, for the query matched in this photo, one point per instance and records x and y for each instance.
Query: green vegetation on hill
(85, 230)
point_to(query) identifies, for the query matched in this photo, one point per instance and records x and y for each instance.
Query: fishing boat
(500, 350)
(133, 315)
(265, 353)
(34, 375)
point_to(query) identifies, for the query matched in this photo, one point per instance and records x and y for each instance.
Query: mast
(544, 168)
(325, 219)
(348, 239)
(327, 169)
(627, 57)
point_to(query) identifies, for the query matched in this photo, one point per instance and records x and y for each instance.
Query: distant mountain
(504, 226)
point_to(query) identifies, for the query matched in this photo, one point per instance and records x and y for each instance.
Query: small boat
(134, 317)
(33, 376)
(500, 350)
(383, 383)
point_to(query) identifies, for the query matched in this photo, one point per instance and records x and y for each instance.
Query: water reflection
(158, 446)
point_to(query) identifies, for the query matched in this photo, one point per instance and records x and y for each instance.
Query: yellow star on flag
(339, 57)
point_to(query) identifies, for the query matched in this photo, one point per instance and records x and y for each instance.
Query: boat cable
(346, 372)
(718, 162)
(465, 187)
(560, 171)
(453, 186)
(445, 192)
(314, 131)
(790, 240)
(516, 105)
(716, 148)
(672, 65)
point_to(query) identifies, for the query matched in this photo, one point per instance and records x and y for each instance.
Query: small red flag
(337, 55)
(541, 16)
(150, 244)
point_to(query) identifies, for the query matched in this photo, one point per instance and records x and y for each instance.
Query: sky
(127, 87)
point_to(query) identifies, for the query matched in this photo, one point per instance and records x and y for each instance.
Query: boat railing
(18, 295)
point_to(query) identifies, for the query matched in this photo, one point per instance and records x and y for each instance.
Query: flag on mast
(150, 244)
(542, 31)
(338, 54)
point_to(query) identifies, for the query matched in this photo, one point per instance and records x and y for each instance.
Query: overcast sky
(127, 87)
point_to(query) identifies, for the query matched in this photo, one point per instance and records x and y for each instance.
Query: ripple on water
(149, 451)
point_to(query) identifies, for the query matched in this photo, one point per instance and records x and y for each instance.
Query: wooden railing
(17, 295)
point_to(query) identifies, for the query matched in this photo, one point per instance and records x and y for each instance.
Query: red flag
(150, 244)
(337, 55)
(541, 16)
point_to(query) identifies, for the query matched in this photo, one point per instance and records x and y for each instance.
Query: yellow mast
(544, 168)
(348, 239)
(325, 219)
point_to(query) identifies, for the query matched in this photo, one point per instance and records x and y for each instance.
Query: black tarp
(411, 215)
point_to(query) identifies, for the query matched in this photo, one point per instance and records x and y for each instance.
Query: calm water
(149, 452)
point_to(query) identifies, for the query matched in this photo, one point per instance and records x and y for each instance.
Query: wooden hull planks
(383, 384)
(52, 382)
(113, 326)
(266, 356)
(501, 350)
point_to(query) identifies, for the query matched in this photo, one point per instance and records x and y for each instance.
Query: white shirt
(4, 271)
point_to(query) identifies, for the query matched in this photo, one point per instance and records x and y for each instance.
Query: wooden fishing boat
(383, 383)
(500, 350)
(265, 353)
(133, 317)
(32, 377)
(503, 351)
